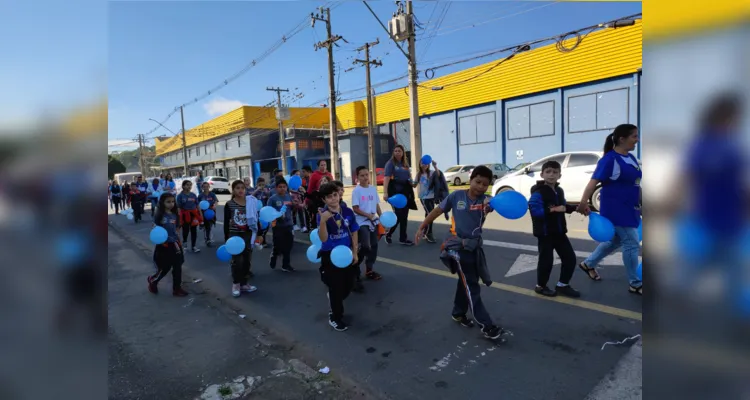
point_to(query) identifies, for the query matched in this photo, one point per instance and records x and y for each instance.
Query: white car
(458, 174)
(219, 184)
(577, 168)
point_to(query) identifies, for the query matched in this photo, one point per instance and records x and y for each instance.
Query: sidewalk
(196, 347)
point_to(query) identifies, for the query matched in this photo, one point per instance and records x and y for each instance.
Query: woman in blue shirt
(398, 181)
(620, 176)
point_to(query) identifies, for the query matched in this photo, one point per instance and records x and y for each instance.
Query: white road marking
(528, 262)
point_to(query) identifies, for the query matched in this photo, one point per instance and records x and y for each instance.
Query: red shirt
(315, 180)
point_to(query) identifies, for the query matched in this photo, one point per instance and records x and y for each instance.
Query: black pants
(117, 201)
(368, 250)
(168, 258)
(428, 205)
(403, 216)
(339, 282)
(560, 244)
(241, 263)
(137, 210)
(468, 291)
(189, 230)
(283, 240)
(207, 226)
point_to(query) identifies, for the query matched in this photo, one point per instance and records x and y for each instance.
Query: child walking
(462, 252)
(238, 223)
(169, 255)
(548, 208)
(190, 216)
(283, 233)
(207, 195)
(262, 193)
(365, 204)
(337, 226)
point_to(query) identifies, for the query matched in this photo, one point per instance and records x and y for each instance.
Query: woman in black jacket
(398, 181)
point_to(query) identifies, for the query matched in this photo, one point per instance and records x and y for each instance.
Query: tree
(114, 166)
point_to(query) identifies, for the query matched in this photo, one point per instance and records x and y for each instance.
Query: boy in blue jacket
(548, 208)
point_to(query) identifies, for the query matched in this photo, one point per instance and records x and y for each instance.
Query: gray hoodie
(450, 257)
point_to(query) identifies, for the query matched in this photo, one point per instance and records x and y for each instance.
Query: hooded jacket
(544, 197)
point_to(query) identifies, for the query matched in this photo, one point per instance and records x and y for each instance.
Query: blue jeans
(627, 238)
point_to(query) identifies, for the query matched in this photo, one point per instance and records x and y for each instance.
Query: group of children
(359, 228)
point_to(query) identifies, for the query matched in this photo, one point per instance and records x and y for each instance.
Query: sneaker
(236, 290)
(304, 229)
(492, 332)
(372, 275)
(461, 319)
(179, 292)
(388, 239)
(209, 244)
(248, 288)
(296, 228)
(338, 326)
(272, 264)
(430, 239)
(196, 250)
(545, 291)
(151, 285)
(568, 291)
(407, 242)
(288, 268)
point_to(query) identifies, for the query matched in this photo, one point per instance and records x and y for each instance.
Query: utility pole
(414, 125)
(184, 143)
(325, 16)
(282, 136)
(141, 163)
(370, 114)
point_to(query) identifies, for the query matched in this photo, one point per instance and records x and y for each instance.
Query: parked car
(219, 184)
(458, 174)
(380, 176)
(577, 168)
(498, 170)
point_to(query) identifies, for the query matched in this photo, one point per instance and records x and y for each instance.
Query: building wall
(479, 140)
(439, 138)
(532, 127)
(592, 111)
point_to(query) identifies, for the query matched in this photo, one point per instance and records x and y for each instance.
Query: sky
(164, 54)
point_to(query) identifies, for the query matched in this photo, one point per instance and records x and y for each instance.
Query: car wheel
(595, 199)
(503, 189)
(457, 182)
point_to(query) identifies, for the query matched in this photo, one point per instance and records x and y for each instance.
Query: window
(205, 149)
(384, 146)
(598, 111)
(453, 169)
(197, 151)
(579, 160)
(190, 153)
(239, 141)
(537, 167)
(476, 129)
(534, 120)
(217, 179)
(226, 144)
(467, 168)
(216, 147)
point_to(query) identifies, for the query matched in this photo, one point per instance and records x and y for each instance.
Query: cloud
(220, 105)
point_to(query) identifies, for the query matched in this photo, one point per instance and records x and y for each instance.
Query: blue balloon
(312, 254)
(171, 184)
(263, 224)
(209, 215)
(235, 245)
(640, 231)
(639, 272)
(260, 204)
(426, 159)
(71, 248)
(315, 239)
(600, 228)
(341, 256)
(397, 200)
(388, 219)
(158, 235)
(204, 205)
(692, 240)
(510, 204)
(295, 182)
(269, 214)
(222, 253)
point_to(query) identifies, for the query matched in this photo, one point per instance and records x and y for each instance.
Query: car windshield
(453, 169)
(520, 167)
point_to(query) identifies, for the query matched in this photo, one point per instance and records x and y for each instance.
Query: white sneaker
(236, 290)
(304, 229)
(296, 228)
(248, 288)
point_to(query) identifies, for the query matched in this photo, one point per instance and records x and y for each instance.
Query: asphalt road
(402, 341)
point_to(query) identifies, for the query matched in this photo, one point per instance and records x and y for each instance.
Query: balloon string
(621, 342)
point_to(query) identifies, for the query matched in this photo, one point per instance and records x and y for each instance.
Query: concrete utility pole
(370, 113)
(184, 142)
(414, 125)
(282, 135)
(141, 162)
(325, 16)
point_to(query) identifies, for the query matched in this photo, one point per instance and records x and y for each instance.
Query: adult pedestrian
(198, 180)
(154, 188)
(115, 191)
(620, 174)
(312, 191)
(398, 181)
(125, 195)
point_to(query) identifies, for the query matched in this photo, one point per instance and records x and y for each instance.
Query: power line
(447, 31)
